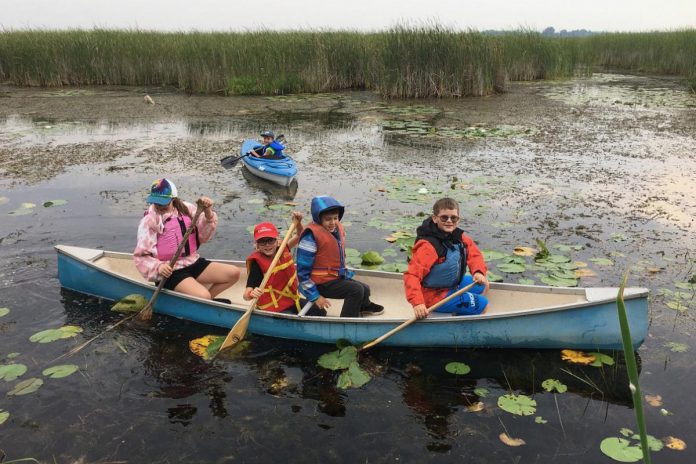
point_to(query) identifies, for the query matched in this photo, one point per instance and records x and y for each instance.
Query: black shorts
(194, 270)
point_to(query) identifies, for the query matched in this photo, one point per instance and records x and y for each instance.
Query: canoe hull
(281, 172)
(588, 327)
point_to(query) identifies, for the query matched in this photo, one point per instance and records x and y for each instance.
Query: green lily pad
(653, 443)
(10, 372)
(525, 281)
(511, 268)
(58, 372)
(552, 384)
(130, 303)
(3, 416)
(339, 359)
(626, 432)
(354, 260)
(493, 255)
(457, 368)
(520, 405)
(601, 358)
(343, 343)
(280, 207)
(677, 347)
(4, 311)
(49, 203)
(493, 277)
(568, 248)
(26, 386)
(677, 306)
(4, 200)
(540, 420)
(620, 449)
(558, 282)
(394, 267)
(353, 377)
(602, 261)
(51, 335)
(352, 252)
(12, 355)
(26, 208)
(372, 257)
(255, 201)
(481, 392)
(686, 285)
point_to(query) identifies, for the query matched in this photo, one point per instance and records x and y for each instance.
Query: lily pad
(457, 368)
(130, 303)
(481, 392)
(354, 377)
(653, 443)
(26, 386)
(26, 208)
(58, 372)
(602, 261)
(520, 405)
(677, 347)
(552, 384)
(3, 416)
(372, 257)
(51, 335)
(4, 200)
(4, 311)
(558, 282)
(601, 358)
(352, 252)
(492, 255)
(208, 346)
(394, 267)
(10, 372)
(339, 359)
(620, 449)
(540, 420)
(522, 281)
(577, 357)
(511, 268)
(493, 277)
(49, 203)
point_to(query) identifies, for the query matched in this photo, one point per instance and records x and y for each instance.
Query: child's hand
(297, 217)
(165, 270)
(481, 279)
(256, 293)
(420, 311)
(322, 303)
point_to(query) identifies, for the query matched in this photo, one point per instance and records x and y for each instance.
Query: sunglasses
(266, 241)
(445, 218)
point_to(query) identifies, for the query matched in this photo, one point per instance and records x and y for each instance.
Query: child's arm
(254, 279)
(297, 218)
(423, 258)
(306, 253)
(476, 263)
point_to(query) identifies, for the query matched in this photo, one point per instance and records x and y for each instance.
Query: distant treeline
(401, 62)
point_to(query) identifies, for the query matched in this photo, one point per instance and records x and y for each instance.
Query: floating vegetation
(525, 251)
(130, 303)
(620, 449)
(481, 392)
(394, 267)
(208, 346)
(371, 258)
(4, 311)
(4, 415)
(540, 420)
(23, 210)
(602, 261)
(577, 357)
(26, 387)
(505, 438)
(654, 400)
(457, 368)
(552, 384)
(58, 372)
(677, 347)
(49, 203)
(675, 443)
(51, 335)
(412, 110)
(419, 128)
(10, 372)
(346, 360)
(520, 405)
(601, 359)
(4, 200)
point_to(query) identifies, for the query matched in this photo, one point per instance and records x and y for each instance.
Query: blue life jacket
(448, 273)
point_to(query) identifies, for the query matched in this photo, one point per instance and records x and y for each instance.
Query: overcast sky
(365, 15)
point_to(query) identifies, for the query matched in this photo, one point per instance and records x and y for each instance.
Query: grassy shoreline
(398, 63)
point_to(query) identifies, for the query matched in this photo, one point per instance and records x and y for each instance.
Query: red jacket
(424, 257)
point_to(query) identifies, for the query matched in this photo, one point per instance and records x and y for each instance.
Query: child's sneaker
(372, 309)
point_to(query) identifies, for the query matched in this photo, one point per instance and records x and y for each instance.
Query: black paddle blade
(228, 162)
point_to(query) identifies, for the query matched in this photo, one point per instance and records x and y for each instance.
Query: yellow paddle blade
(208, 347)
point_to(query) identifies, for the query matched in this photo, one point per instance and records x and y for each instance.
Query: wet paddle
(237, 332)
(146, 313)
(228, 162)
(414, 318)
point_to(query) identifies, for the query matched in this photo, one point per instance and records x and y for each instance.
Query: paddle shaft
(414, 319)
(231, 160)
(146, 312)
(237, 332)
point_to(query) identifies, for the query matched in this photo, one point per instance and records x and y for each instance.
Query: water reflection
(274, 193)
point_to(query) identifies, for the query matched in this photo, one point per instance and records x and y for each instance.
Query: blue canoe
(518, 316)
(280, 171)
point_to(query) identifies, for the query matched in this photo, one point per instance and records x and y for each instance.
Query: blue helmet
(325, 203)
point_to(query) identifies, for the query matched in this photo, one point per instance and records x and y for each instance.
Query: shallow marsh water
(605, 163)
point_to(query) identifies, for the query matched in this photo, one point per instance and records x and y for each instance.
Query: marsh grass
(402, 62)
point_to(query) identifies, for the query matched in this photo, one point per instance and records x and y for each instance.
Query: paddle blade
(228, 162)
(146, 313)
(236, 335)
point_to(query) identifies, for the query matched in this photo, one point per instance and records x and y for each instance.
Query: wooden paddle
(237, 332)
(146, 313)
(414, 318)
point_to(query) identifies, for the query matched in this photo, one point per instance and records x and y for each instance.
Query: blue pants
(468, 303)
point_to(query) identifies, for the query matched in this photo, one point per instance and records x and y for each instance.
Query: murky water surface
(602, 169)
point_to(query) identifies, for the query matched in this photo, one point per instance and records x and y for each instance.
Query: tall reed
(428, 61)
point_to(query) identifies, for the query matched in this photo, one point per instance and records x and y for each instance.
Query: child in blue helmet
(321, 263)
(271, 149)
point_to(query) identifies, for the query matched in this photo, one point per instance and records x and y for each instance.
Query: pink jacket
(152, 224)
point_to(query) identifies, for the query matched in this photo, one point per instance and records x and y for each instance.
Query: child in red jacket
(441, 254)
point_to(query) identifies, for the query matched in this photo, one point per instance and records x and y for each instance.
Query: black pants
(356, 295)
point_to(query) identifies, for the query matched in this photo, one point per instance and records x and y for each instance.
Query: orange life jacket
(330, 260)
(281, 289)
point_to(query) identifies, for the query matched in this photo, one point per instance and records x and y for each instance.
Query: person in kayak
(271, 148)
(159, 234)
(321, 263)
(441, 255)
(281, 293)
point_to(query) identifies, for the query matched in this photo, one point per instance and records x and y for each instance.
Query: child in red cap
(280, 294)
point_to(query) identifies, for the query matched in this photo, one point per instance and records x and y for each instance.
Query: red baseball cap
(265, 230)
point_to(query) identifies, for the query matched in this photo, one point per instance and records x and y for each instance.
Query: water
(614, 178)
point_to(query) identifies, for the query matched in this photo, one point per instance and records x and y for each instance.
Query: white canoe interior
(387, 289)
